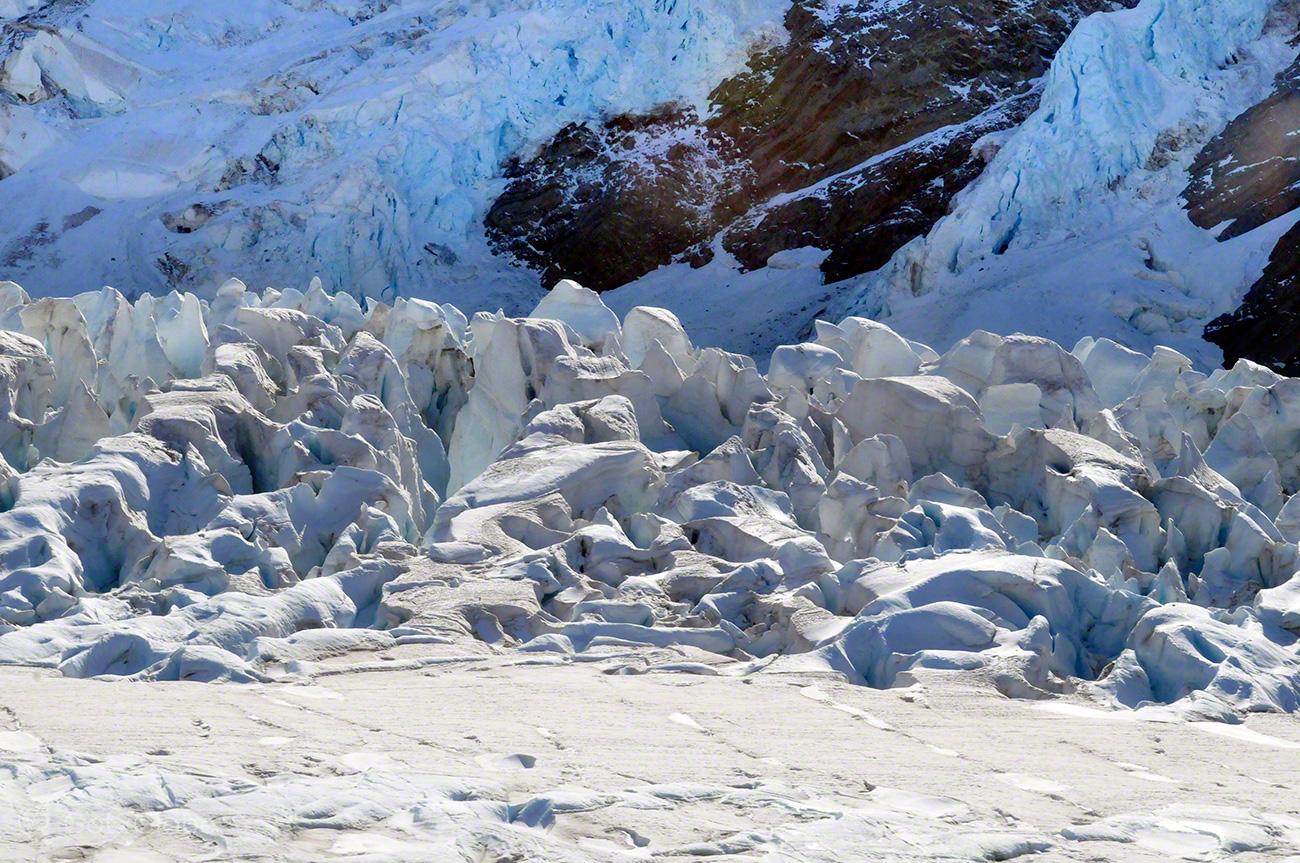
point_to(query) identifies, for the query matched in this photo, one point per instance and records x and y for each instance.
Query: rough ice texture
(1078, 224)
(1119, 82)
(364, 137)
(192, 488)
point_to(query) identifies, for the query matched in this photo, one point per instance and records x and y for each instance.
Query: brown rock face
(1246, 177)
(597, 204)
(1266, 328)
(1250, 174)
(863, 123)
(866, 214)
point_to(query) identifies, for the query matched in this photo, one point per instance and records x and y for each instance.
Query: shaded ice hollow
(236, 489)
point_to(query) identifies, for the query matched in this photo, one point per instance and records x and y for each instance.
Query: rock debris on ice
(231, 490)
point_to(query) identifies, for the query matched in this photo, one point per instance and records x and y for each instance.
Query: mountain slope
(1052, 166)
(852, 135)
(157, 145)
(1248, 176)
(1080, 220)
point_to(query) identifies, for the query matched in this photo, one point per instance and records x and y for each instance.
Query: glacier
(365, 138)
(1120, 82)
(1079, 213)
(196, 490)
(364, 141)
(415, 561)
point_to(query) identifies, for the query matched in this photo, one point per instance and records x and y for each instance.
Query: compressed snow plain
(877, 604)
(489, 758)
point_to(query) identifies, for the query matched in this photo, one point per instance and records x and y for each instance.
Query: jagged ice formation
(364, 137)
(224, 490)
(1083, 207)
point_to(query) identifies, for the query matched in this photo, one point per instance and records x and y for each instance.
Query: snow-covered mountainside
(157, 144)
(1123, 168)
(1093, 214)
(796, 431)
(233, 490)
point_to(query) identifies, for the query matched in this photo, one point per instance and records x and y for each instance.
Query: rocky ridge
(852, 136)
(1246, 177)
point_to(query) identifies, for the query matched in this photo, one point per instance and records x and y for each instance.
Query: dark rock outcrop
(852, 136)
(1250, 174)
(864, 215)
(605, 204)
(1266, 328)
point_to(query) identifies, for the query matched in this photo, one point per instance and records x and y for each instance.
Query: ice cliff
(1082, 210)
(224, 490)
(1120, 82)
(363, 137)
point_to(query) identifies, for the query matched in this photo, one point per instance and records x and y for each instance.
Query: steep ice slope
(1080, 224)
(1120, 82)
(1077, 225)
(853, 134)
(242, 489)
(679, 145)
(358, 138)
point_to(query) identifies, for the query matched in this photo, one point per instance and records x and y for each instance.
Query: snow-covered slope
(1047, 166)
(157, 144)
(196, 490)
(1120, 82)
(1078, 223)
(1092, 216)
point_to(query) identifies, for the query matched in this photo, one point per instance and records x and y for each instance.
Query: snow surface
(221, 490)
(485, 758)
